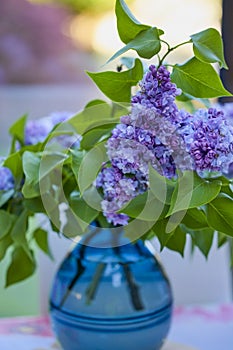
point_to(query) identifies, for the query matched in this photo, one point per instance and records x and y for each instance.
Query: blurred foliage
(78, 6)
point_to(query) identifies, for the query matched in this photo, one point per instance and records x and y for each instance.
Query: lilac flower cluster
(6, 179)
(116, 185)
(37, 130)
(158, 93)
(147, 136)
(227, 108)
(157, 133)
(209, 140)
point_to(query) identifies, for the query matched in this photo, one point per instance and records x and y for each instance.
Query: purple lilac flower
(147, 136)
(6, 179)
(37, 130)
(144, 138)
(209, 140)
(227, 109)
(117, 189)
(158, 93)
(157, 133)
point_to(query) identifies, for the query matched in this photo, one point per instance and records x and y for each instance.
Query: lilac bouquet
(148, 159)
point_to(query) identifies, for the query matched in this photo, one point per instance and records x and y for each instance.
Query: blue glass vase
(110, 294)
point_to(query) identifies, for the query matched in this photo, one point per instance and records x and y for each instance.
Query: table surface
(196, 327)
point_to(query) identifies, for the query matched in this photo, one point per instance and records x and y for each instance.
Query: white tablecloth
(196, 327)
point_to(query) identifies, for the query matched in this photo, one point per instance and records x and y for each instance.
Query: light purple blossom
(117, 189)
(6, 179)
(147, 136)
(157, 133)
(37, 130)
(227, 109)
(209, 140)
(158, 93)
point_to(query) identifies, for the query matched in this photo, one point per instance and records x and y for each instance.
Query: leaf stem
(170, 49)
(134, 290)
(168, 46)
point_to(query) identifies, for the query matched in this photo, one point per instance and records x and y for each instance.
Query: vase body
(111, 297)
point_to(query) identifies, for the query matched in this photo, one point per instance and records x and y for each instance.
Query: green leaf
(21, 267)
(127, 25)
(77, 157)
(208, 47)
(177, 241)
(17, 129)
(120, 109)
(14, 163)
(37, 169)
(31, 167)
(34, 205)
(198, 79)
(50, 161)
(93, 198)
(222, 239)
(203, 239)
(95, 103)
(231, 250)
(195, 219)
(117, 85)
(5, 196)
(136, 229)
(99, 114)
(82, 210)
(90, 166)
(227, 190)
(6, 221)
(192, 191)
(188, 100)
(91, 137)
(41, 238)
(175, 220)
(160, 231)
(219, 215)
(19, 230)
(135, 206)
(5, 243)
(145, 207)
(161, 187)
(146, 43)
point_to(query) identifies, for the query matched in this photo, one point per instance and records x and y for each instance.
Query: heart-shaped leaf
(146, 43)
(198, 79)
(219, 214)
(127, 25)
(191, 191)
(208, 47)
(117, 85)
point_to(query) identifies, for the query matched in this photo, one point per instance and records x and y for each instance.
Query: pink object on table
(222, 313)
(26, 325)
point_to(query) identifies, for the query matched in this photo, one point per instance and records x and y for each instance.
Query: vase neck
(98, 237)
